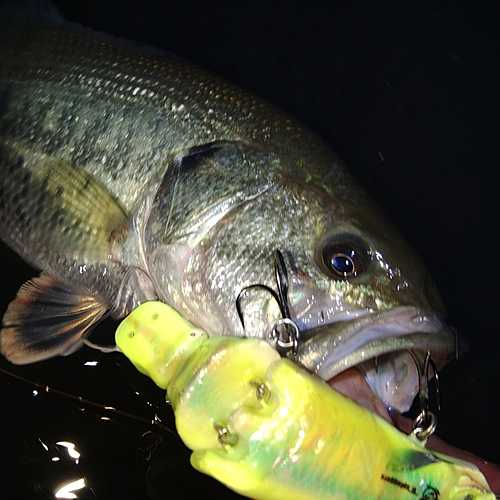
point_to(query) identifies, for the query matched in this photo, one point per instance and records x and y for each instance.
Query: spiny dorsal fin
(28, 12)
(46, 319)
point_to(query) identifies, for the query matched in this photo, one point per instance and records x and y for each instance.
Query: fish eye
(342, 259)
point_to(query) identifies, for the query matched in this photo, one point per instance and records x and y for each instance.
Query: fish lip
(333, 348)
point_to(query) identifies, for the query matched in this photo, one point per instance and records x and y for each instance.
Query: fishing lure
(269, 430)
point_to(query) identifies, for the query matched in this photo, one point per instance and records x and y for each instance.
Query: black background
(406, 93)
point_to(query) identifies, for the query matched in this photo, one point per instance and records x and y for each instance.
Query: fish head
(363, 299)
(239, 238)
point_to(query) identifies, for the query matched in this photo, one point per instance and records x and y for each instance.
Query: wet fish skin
(129, 175)
(80, 85)
(70, 101)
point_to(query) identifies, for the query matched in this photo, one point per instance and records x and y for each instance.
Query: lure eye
(342, 259)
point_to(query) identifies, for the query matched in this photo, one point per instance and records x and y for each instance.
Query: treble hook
(285, 332)
(282, 283)
(243, 293)
(426, 422)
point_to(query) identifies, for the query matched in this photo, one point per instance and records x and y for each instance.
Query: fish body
(268, 429)
(129, 175)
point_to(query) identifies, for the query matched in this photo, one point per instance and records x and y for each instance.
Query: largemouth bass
(129, 175)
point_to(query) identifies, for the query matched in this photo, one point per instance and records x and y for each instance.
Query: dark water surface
(407, 94)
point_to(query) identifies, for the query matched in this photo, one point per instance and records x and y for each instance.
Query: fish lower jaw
(375, 359)
(331, 348)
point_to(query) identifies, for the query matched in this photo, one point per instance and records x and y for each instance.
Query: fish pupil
(342, 259)
(343, 264)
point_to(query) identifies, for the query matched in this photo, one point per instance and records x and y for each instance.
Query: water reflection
(91, 426)
(71, 450)
(67, 490)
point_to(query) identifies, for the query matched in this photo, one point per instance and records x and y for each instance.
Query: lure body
(269, 430)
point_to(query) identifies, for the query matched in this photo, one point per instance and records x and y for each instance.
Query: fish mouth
(373, 358)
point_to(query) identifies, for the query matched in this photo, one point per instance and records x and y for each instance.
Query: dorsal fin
(28, 12)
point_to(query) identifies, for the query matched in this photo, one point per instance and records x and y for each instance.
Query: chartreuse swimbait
(269, 430)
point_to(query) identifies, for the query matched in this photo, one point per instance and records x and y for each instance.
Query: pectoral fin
(46, 319)
(53, 207)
